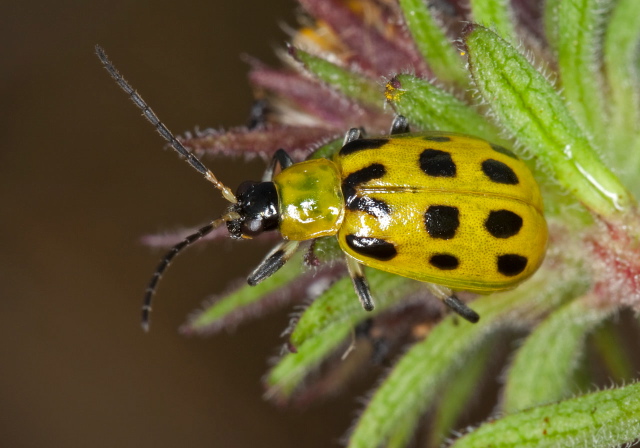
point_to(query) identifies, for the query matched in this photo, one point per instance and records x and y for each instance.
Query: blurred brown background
(82, 178)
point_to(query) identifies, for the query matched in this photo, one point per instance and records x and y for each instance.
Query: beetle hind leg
(453, 302)
(272, 262)
(400, 125)
(360, 284)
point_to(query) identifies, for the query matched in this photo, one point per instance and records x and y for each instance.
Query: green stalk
(578, 43)
(621, 65)
(286, 376)
(433, 44)
(245, 296)
(496, 15)
(429, 107)
(352, 85)
(340, 304)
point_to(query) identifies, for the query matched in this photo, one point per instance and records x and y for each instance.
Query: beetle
(450, 210)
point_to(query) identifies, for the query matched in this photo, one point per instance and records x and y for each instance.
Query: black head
(258, 209)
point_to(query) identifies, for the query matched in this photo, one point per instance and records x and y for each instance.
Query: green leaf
(215, 315)
(430, 108)
(578, 39)
(291, 370)
(354, 86)
(433, 44)
(403, 433)
(327, 150)
(599, 420)
(496, 15)
(543, 369)
(339, 304)
(621, 58)
(417, 377)
(326, 323)
(454, 396)
(526, 104)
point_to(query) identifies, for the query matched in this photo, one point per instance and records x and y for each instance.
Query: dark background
(82, 178)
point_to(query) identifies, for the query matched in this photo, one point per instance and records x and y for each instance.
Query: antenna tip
(145, 318)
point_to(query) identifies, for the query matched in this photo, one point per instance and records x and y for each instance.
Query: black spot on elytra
(371, 247)
(503, 150)
(442, 221)
(375, 207)
(364, 175)
(372, 206)
(362, 144)
(445, 262)
(511, 264)
(436, 138)
(499, 172)
(503, 223)
(437, 163)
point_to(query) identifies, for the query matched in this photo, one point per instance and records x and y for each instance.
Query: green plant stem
(621, 65)
(579, 34)
(496, 15)
(433, 43)
(357, 87)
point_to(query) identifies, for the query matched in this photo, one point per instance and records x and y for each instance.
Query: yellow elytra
(437, 207)
(450, 210)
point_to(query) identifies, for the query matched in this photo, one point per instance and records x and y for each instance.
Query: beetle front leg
(360, 284)
(280, 157)
(272, 262)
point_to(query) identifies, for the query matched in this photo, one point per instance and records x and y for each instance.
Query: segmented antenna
(162, 129)
(166, 260)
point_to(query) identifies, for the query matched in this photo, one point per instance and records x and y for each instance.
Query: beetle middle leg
(356, 271)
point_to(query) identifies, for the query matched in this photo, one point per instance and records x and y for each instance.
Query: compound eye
(252, 227)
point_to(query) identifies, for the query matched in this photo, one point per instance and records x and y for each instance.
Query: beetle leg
(400, 125)
(351, 135)
(280, 157)
(461, 308)
(360, 283)
(272, 262)
(453, 302)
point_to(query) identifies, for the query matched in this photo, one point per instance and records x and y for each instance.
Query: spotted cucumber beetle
(450, 210)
